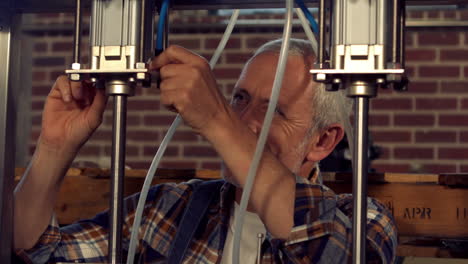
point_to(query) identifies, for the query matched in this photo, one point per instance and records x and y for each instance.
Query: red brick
(256, 42)
(171, 151)
(62, 46)
(211, 165)
(420, 55)
(416, 14)
(464, 168)
(197, 151)
(233, 43)
(391, 136)
(436, 38)
(391, 104)
(450, 14)
(453, 120)
(238, 57)
(142, 135)
(410, 71)
(439, 71)
(158, 120)
(194, 43)
(138, 164)
(129, 150)
(464, 136)
(185, 136)
(439, 168)
(40, 47)
(454, 87)
(464, 14)
(38, 76)
(436, 103)
(55, 74)
(90, 150)
(454, 55)
(434, 14)
(466, 71)
(379, 120)
(456, 153)
(409, 38)
(37, 105)
(139, 104)
(102, 135)
(464, 103)
(422, 87)
(414, 120)
(435, 136)
(49, 61)
(396, 168)
(413, 153)
(132, 120)
(179, 164)
(36, 120)
(227, 73)
(41, 90)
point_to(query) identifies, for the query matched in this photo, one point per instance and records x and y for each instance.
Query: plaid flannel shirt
(322, 231)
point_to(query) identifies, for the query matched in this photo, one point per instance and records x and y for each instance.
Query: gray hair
(329, 107)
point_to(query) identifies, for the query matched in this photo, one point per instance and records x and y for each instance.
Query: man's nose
(251, 118)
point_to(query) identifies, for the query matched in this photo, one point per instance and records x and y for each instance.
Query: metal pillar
(361, 163)
(117, 174)
(7, 142)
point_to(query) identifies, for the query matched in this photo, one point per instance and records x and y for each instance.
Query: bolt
(75, 77)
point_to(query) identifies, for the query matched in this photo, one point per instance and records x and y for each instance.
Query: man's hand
(189, 87)
(73, 110)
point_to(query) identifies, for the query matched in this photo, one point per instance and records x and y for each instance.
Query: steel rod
(395, 31)
(360, 157)
(77, 36)
(402, 26)
(321, 53)
(117, 170)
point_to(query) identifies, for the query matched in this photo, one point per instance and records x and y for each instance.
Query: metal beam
(7, 142)
(34, 6)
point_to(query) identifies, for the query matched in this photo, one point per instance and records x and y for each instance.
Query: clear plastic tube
(264, 132)
(305, 25)
(163, 146)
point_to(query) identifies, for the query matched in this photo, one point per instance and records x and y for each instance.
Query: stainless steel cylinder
(361, 164)
(117, 174)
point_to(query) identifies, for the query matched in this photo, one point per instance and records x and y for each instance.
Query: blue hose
(308, 15)
(160, 33)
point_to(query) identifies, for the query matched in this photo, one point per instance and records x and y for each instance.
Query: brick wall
(422, 130)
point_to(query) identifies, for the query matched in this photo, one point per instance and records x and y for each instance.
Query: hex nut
(75, 77)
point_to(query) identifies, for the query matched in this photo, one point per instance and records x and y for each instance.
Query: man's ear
(324, 142)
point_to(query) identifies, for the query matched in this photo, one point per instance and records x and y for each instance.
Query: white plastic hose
(305, 25)
(265, 130)
(163, 146)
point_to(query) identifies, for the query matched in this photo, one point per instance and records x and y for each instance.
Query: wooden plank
(422, 207)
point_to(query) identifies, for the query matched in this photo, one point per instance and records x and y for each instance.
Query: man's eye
(239, 99)
(280, 112)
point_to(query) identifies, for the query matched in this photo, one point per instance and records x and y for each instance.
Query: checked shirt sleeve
(322, 231)
(87, 240)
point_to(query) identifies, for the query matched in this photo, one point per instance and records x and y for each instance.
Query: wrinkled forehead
(259, 73)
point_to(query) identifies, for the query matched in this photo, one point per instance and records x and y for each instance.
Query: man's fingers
(99, 102)
(176, 54)
(62, 85)
(77, 90)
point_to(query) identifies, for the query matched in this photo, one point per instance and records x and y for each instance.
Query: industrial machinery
(359, 53)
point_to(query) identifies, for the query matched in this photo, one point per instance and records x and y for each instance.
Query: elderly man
(297, 220)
